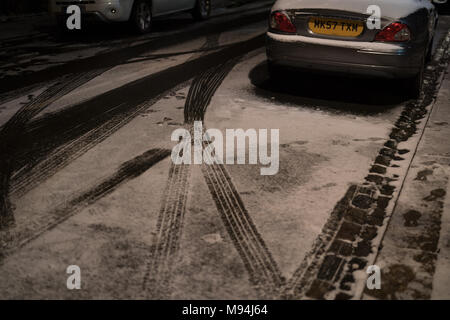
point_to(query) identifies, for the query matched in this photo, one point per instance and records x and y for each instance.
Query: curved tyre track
(262, 269)
(166, 243)
(261, 266)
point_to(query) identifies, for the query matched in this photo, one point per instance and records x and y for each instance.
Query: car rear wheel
(430, 51)
(202, 10)
(141, 17)
(414, 85)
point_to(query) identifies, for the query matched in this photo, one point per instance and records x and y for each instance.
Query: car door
(161, 7)
(186, 4)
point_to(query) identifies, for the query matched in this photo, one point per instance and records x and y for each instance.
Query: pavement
(415, 249)
(86, 176)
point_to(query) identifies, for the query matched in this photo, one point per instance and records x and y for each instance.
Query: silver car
(138, 12)
(388, 38)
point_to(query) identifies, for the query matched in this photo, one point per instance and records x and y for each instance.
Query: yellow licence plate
(336, 27)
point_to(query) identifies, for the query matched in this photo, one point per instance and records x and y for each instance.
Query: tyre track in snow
(262, 269)
(203, 89)
(45, 165)
(166, 243)
(120, 105)
(169, 227)
(11, 133)
(15, 238)
(72, 143)
(48, 145)
(65, 144)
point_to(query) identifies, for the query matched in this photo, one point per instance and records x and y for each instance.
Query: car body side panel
(123, 8)
(101, 8)
(162, 7)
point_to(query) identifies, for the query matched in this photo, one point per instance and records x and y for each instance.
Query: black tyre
(202, 10)
(429, 55)
(141, 16)
(413, 86)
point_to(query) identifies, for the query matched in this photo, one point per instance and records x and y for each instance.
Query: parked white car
(139, 13)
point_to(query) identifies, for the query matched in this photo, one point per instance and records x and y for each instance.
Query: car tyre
(141, 16)
(429, 56)
(414, 85)
(202, 10)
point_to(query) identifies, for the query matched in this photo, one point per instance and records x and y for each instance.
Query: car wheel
(430, 51)
(202, 10)
(141, 17)
(414, 85)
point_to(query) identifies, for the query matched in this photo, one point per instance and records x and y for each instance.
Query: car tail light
(280, 21)
(395, 32)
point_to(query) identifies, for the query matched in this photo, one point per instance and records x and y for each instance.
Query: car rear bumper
(352, 57)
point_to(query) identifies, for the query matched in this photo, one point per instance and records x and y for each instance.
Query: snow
(389, 8)
(369, 47)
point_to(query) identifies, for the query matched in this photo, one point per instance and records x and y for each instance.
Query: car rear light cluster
(280, 21)
(395, 32)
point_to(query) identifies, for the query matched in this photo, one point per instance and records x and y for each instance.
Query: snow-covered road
(87, 178)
